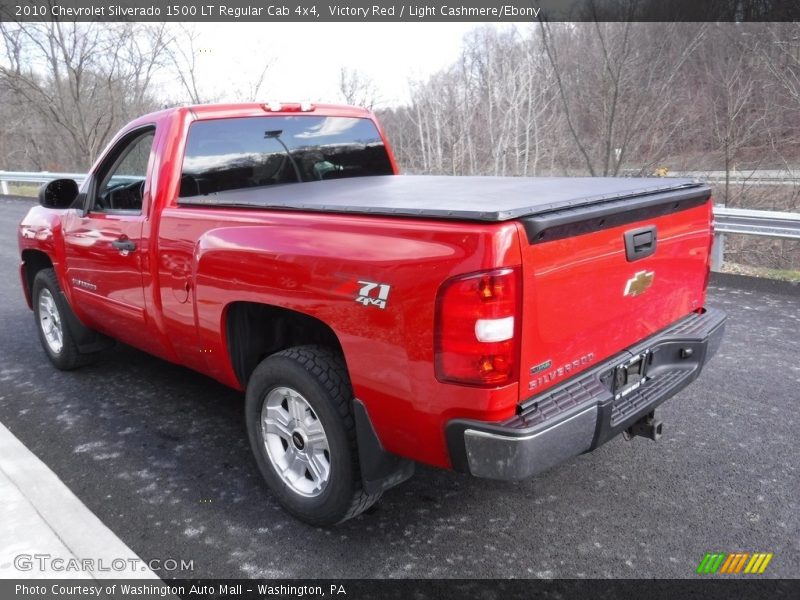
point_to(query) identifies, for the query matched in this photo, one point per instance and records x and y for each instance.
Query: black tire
(68, 356)
(320, 377)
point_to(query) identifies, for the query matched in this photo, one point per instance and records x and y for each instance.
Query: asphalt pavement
(159, 453)
(47, 532)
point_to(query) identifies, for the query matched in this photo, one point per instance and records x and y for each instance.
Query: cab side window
(121, 188)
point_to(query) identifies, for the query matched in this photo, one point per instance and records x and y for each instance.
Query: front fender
(40, 231)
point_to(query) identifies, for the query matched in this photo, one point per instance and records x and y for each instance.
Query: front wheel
(51, 312)
(302, 432)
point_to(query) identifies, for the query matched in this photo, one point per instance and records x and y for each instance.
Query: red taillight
(477, 322)
(710, 257)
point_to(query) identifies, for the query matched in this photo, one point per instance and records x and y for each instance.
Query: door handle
(640, 243)
(124, 245)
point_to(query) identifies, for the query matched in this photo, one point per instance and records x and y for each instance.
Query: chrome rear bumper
(584, 412)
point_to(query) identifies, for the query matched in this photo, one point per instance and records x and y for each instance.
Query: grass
(23, 189)
(790, 275)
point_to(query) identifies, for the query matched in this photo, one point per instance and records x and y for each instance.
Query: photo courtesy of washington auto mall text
(488, 299)
(165, 589)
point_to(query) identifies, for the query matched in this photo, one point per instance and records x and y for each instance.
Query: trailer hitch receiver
(648, 426)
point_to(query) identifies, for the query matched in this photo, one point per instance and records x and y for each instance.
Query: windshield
(229, 154)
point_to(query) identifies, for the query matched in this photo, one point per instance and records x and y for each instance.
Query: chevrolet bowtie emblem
(639, 283)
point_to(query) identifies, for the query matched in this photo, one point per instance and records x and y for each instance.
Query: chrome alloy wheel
(295, 441)
(50, 322)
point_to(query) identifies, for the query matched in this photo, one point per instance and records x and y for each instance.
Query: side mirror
(59, 193)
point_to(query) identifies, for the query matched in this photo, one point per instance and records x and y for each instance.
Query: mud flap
(380, 470)
(87, 340)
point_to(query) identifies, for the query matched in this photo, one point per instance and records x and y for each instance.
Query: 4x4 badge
(375, 294)
(639, 283)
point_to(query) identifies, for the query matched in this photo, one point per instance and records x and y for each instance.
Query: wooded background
(544, 99)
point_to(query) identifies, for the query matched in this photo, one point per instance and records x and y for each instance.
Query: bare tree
(183, 53)
(186, 60)
(357, 89)
(249, 88)
(781, 53)
(490, 113)
(82, 81)
(736, 97)
(617, 83)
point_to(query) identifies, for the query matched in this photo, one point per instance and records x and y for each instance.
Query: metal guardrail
(757, 177)
(739, 181)
(7, 177)
(767, 223)
(757, 222)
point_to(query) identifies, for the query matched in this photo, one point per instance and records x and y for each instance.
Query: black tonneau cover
(443, 197)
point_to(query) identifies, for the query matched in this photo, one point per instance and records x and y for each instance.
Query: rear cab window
(239, 153)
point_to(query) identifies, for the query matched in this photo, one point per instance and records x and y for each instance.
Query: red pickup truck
(497, 326)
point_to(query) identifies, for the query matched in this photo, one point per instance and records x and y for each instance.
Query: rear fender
(373, 281)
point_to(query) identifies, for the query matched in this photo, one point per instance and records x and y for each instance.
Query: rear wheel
(51, 312)
(302, 432)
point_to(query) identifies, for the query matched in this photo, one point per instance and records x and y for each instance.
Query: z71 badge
(373, 294)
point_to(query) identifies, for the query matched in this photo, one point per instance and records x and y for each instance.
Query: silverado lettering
(559, 372)
(375, 320)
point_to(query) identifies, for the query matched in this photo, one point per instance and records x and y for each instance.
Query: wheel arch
(246, 324)
(255, 330)
(33, 261)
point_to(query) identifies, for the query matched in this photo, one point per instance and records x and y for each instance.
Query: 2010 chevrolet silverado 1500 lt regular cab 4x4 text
(497, 326)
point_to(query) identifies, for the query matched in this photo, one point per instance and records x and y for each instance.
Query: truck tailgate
(589, 293)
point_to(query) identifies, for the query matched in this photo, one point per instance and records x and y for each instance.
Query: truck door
(106, 252)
